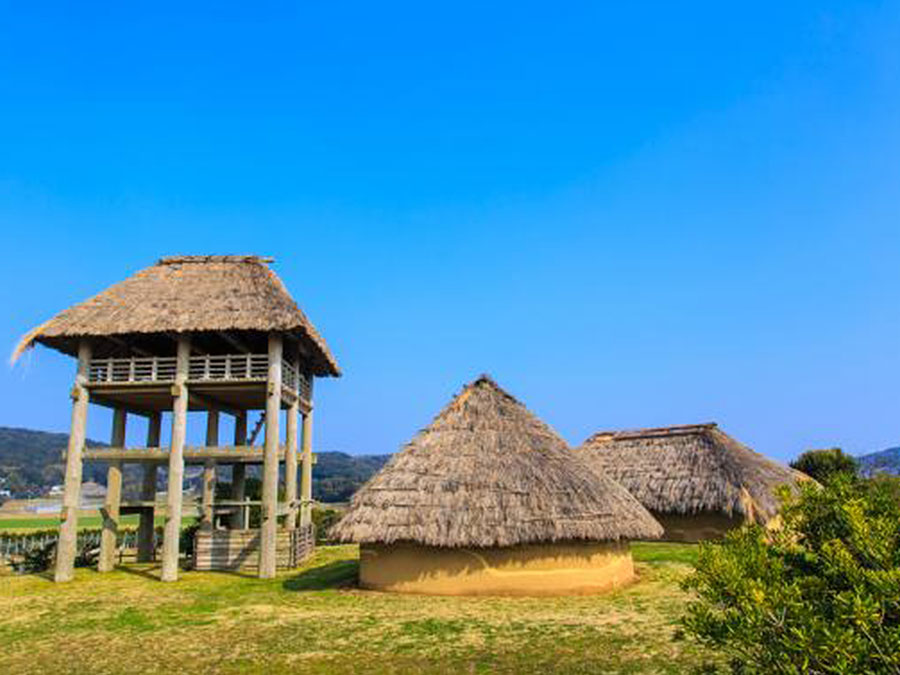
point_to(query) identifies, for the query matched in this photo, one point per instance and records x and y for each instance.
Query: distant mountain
(30, 463)
(887, 461)
(337, 475)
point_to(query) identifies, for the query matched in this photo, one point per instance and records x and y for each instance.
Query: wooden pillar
(306, 472)
(209, 471)
(267, 555)
(176, 461)
(110, 534)
(147, 525)
(290, 464)
(68, 527)
(239, 520)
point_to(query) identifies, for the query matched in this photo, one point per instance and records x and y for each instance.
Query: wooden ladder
(257, 428)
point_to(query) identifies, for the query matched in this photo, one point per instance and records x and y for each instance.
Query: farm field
(314, 620)
(21, 523)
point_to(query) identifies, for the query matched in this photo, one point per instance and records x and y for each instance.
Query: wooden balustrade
(202, 368)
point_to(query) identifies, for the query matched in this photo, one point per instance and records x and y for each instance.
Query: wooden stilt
(306, 472)
(146, 525)
(110, 534)
(290, 465)
(267, 558)
(176, 461)
(68, 528)
(239, 520)
(209, 471)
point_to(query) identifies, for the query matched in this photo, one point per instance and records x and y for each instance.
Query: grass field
(315, 620)
(87, 522)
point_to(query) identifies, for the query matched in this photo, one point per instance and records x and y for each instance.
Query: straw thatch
(194, 294)
(689, 469)
(487, 472)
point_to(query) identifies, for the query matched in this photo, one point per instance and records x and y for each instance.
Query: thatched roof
(487, 472)
(214, 293)
(687, 469)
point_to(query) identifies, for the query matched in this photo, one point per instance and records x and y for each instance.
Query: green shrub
(323, 519)
(821, 595)
(824, 465)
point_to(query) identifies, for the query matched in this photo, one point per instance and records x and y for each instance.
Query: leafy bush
(323, 519)
(824, 465)
(820, 595)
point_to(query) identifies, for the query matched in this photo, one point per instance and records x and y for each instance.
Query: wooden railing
(203, 368)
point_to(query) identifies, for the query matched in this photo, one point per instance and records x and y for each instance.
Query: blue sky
(631, 214)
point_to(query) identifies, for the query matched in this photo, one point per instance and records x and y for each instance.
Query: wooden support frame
(290, 465)
(176, 462)
(110, 534)
(306, 501)
(240, 520)
(68, 528)
(267, 553)
(208, 494)
(146, 524)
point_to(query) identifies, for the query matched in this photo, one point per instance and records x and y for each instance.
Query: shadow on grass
(151, 572)
(337, 574)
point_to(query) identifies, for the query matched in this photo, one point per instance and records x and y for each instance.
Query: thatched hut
(697, 481)
(490, 500)
(210, 334)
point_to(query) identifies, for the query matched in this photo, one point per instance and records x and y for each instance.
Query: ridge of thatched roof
(690, 468)
(487, 472)
(184, 293)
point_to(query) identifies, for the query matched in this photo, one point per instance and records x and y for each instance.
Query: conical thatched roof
(487, 472)
(687, 469)
(196, 294)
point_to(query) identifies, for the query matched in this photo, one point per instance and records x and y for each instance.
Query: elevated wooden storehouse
(490, 500)
(211, 334)
(696, 480)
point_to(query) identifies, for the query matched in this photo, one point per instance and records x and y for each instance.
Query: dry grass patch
(316, 620)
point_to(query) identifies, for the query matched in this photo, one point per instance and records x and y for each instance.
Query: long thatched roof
(212, 293)
(688, 469)
(485, 473)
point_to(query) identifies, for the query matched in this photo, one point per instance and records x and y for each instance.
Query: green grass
(315, 620)
(23, 524)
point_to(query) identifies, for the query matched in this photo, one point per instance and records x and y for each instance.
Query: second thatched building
(696, 480)
(490, 500)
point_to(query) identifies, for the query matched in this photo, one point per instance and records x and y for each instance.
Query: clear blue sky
(631, 214)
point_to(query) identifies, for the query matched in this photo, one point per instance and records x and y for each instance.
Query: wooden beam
(241, 519)
(146, 525)
(209, 471)
(234, 342)
(110, 534)
(224, 454)
(267, 552)
(211, 403)
(306, 472)
(112, 405)
(130, 347)
(290, 465)
(176, 462)
(68, 527)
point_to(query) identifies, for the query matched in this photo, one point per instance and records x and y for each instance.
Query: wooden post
(209, 471)
(306, 472)
(147, 525)
(110, 534)
(68, 527)
(176, 461)
(290, 464)
(267, 555)
(239, 520)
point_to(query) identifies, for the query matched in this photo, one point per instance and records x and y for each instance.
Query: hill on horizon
(31, 463)
(887, 461)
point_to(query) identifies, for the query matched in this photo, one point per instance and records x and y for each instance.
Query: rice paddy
(315, 620)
